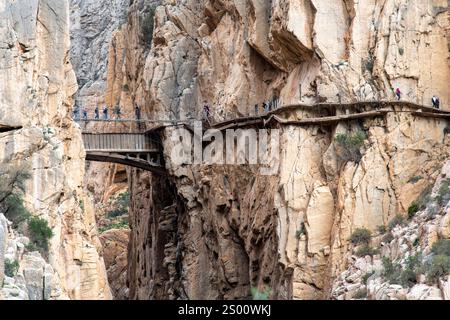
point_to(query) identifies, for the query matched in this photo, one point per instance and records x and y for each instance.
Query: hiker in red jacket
(398, 93)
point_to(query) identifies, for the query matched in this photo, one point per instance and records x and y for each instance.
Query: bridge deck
(119, 142)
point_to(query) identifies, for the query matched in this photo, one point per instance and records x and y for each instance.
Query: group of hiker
(117, 112)
(434, 100)
(266, 106)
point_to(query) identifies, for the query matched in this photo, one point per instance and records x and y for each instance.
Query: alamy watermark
(227, 147)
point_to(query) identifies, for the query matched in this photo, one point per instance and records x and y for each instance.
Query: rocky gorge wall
(209, 232)
(219, 231)
(36, 98)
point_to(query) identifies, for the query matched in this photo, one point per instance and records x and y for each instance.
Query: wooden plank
(117, 142)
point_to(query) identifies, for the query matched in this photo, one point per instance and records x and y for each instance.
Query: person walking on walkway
(117, 112)
(398, 93)
(275, 103)
(96, 113)
(105, 113)
(206, 111)
(137, 112)
(436, 102)
(76, 112)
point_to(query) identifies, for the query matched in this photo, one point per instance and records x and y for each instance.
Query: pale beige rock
(235, 56)
(424, 292)
(319, 219)
(115, 246)
(37, 85)
(445, 288)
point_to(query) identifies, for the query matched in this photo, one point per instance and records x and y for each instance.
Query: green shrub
(121, 205)
(396, 274)
(351, 144)
(15, 210)
(412, 210)
(415, 179)
(408, 278)
(440, 267)
(147, 25)
(12, 187)
(443, 196)
(361, 235)
(421, 203)
(441, 247)
(40, 232)
(392, 271)
(11, 268)
(366, 277)
(123, 224)
(381, 229)
(115, 213)
(260, 295)
(414, 267)
(398, 220)
(81, 202)
(401, 51)
(12, 178)
(366, 250)
(31, 247)
(360, 294)
(388, 266)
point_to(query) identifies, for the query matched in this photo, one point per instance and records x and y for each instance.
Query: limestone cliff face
(217, 231)
(37, 86)
(98, 56)
(235, 54)
(92, 25)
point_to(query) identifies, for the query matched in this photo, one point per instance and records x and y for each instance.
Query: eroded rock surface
(231, 229)
(37, 85)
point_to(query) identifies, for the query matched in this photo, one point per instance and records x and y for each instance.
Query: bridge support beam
(126, 160)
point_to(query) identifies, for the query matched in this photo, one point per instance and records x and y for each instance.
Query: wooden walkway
(328, 114)
(119, 142)
(139, 150)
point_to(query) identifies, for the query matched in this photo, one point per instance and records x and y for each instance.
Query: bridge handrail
(163, 123)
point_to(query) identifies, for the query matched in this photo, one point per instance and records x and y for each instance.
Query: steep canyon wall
(217, 231)
(36, 97)
(211, 231)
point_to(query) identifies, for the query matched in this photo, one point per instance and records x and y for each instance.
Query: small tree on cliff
(12, 188)
(349, 145)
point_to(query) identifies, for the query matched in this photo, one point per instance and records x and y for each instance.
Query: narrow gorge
(352, 202)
